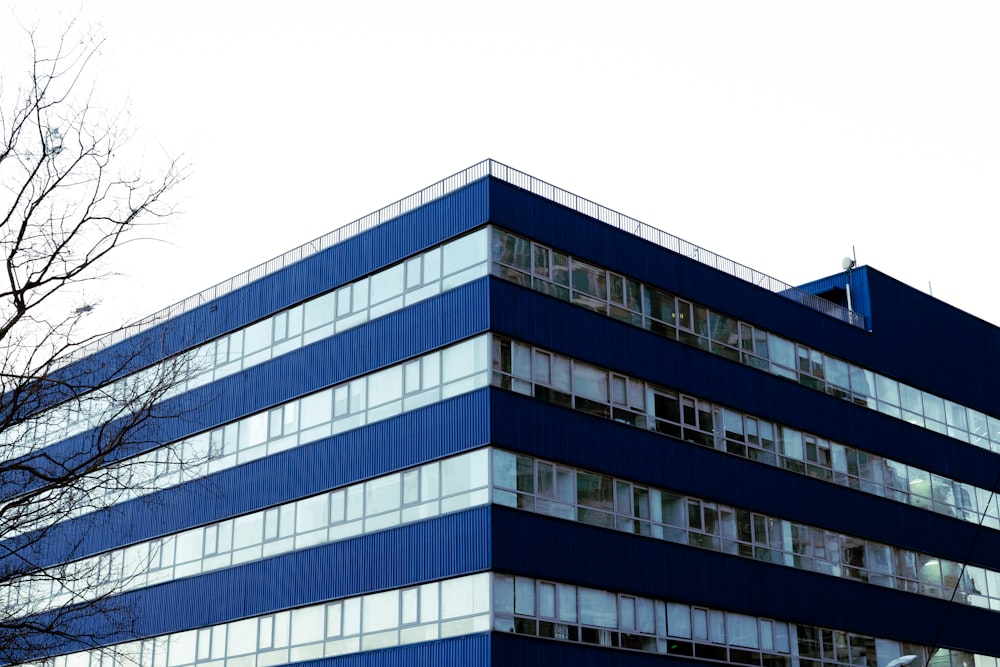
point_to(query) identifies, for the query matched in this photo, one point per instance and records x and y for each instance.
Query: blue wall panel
(447, 546)
(915, 338)
(356, 257)
(599, 558)
(417, 329)
(468, 651)
(559, 434)
(549, 323)
(439, 430)
(510, 649)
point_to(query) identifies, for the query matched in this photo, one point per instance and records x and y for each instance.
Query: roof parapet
(455, 182)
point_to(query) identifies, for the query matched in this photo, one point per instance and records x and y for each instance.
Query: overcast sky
(778, 134)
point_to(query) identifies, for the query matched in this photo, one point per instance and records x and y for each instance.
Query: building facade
(495, 423)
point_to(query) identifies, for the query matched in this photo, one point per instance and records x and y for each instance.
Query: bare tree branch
(70, 433)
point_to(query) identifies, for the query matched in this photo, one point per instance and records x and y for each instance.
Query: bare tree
(69, 424)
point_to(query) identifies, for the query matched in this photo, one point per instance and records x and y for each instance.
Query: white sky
(779, 134)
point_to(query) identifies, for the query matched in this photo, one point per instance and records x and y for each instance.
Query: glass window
(567, 603)
(524, 596)
(247, 530)
(387, 284)
(307, 625)
(503, 593)
(311, 513)
(414, 272)
(382, 494)
(504, 469)
(334, 619)
(590, 382)
(462, 473)
(598, 608)
(465, 596)
(257, 336)
(242, 638)
(590, 280)
(319, 311)
(385, 386)
(933, 407)
(678, 620)
(463, 359)
(791, 443)
(380, 611)
(316, 409)
(658, 305)
(512, 250)
(782, 351)
(464, 252)
(546, 599)
(595, 491)
(888, 390)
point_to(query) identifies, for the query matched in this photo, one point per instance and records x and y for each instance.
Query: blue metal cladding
(558, 434)
(610, 560)
(443, 547)
(381, 246)
(424, 326)
(551, 324)
(511, 649)
(442, 429)
(860, 295)
(915, 338)
(468, 651)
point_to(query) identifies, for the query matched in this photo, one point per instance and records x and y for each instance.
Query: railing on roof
(671, 242)
(455, 182)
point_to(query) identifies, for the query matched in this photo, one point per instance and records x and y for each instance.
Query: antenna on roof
(848, 264)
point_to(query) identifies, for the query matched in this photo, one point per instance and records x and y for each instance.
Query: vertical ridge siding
(467, 651)
(435, 431)
(511, 649)
(417, 329)
(551, 324)
(547, 431)
(914, 337)
(593, 241)
(357, 256)
(621, 562)
(443, 547)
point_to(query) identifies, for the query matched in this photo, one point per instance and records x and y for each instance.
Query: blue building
(498, 424)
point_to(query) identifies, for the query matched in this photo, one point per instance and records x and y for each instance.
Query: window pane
(590, 382)
(598, 608)
(307, 625)
(589, 279)
(380, 611)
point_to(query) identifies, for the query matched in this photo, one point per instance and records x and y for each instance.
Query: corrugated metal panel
(424, 326)
(914, 337)
(611, 560)
(510, 649)
(535, 318)
(385, 244)
(444, 547)
(439, 430)
(934, 346)
(558, 434)
(452, 316)
(594, 241)
(469, 651)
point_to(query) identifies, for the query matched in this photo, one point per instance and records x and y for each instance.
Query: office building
(498, 424)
